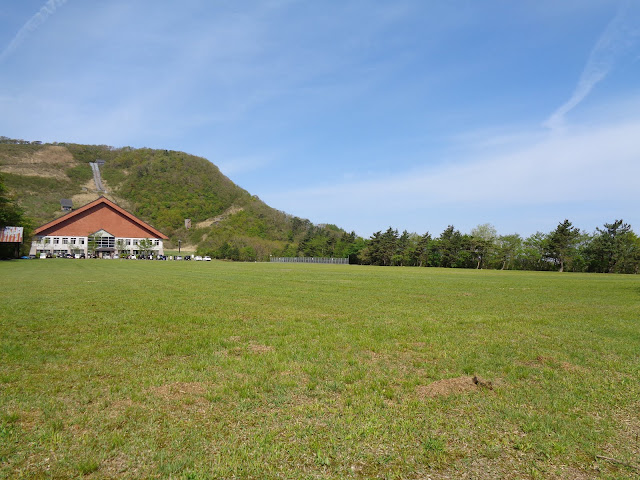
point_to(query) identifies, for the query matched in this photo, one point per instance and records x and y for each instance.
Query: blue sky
(414, 114)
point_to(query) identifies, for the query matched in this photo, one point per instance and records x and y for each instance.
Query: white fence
(335, 261)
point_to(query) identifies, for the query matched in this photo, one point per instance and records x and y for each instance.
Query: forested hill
(164, 188)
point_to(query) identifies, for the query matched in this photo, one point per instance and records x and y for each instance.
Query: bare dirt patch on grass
(451, 386)
(445, 387)
(258, 348)
(179, 390)
(551, 362)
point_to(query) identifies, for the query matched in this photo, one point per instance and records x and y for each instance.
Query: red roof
(101, 214)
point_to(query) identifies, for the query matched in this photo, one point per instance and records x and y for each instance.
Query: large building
(101, 228)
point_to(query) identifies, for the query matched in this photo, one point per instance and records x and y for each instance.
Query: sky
(414, 114)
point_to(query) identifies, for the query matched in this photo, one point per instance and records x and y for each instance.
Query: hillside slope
(164, 188)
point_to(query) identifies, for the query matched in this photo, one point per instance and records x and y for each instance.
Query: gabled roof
(102, 201)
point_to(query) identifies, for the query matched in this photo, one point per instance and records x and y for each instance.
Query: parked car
(178, 257)
(206, 258)
(198, 258)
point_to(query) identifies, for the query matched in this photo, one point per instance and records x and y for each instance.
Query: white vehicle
(178, 257)
(207, 258)
(197, 258)
(43, 255)
(77, 255)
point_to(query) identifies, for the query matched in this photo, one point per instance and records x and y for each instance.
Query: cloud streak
(32, 25)
(619, 37)
(552, 173)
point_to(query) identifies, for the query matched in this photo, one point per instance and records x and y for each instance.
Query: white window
(73, 241)
(82, 241)
(128, 241)
(56, 240)
(65, 240)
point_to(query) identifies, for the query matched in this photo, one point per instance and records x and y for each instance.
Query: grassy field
(195, 370)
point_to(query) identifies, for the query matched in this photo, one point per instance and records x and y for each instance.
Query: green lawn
(195, 370)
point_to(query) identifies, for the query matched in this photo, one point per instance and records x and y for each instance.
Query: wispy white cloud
(569, 168)
(619, 37)
(34, 22)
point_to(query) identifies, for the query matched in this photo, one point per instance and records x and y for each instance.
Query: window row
(66, 241)
(136, 241)
(108, 241)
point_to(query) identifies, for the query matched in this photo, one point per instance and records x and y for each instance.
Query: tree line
(612, 248)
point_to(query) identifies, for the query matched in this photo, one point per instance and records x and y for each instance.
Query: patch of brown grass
(35, 170)
(55, 155)
(258, 348)
(179, 390)
(447, 386)
(42, 163)
(87, 195)
(30, 419)
(509, 466)
(123, 466)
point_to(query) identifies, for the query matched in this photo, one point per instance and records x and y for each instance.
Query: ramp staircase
(96, 177)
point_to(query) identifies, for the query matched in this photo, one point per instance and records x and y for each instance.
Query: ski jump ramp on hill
(96, 176)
